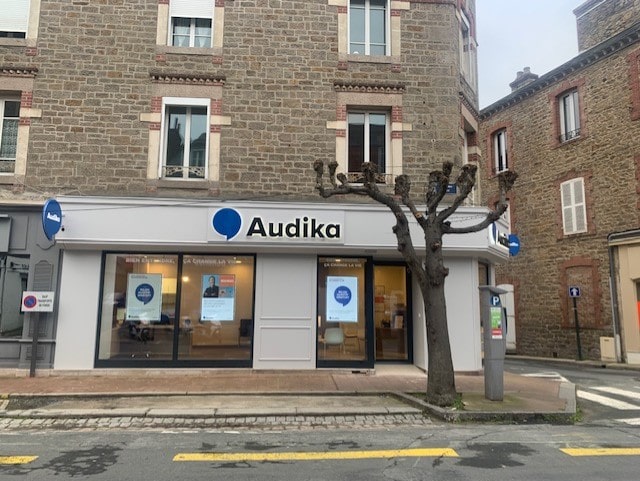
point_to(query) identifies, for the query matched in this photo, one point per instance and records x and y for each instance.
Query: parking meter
(495, 341)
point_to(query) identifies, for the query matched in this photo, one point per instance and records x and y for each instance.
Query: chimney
(523, 78)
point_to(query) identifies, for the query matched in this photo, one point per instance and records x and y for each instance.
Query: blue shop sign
(51, 218)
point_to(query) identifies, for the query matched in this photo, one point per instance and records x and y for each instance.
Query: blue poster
(144, 297)
(342, 299)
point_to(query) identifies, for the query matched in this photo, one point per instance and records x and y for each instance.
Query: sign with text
(496, 322)
(144, 297)
(342, 299)
(37, 301)
(218, 297)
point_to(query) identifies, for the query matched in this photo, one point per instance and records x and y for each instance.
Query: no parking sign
(37, 301)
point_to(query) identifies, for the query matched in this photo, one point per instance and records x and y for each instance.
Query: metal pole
(34, 344)
(575, 317)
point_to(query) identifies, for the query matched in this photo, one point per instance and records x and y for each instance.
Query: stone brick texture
(279, 61)
(598, 21)
(549, 262)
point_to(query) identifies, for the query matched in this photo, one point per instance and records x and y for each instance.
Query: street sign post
(36, 301)
(574, 293)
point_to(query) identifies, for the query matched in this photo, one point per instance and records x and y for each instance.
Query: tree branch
(437, 188)
(465, 182)
(402, 190)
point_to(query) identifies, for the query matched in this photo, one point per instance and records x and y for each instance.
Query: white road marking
(619, 392)
(548, 375)
(631, 421)
(606, 401)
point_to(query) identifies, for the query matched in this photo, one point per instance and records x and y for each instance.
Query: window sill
(382, 59)
(204, 52)
(7, 179)
(199, 184)
(13, 42)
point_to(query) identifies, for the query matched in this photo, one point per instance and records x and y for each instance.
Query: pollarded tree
(428, 269)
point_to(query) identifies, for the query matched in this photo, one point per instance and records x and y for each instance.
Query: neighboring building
(179, 138)
(573, 136)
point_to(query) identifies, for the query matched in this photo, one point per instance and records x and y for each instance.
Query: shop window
(341, 310)
(185, 139)
(368, 27)
(177, 308)
(574, 209)
(368, 141)
(9, 121)
(14, 274)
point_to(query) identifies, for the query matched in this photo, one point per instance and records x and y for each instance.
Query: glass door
(343, 338)
(390, 314)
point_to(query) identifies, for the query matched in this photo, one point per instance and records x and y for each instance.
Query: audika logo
(227, 223)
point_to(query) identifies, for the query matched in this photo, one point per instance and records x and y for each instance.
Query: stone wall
(605, 156)
(598, 20)
(278, 66)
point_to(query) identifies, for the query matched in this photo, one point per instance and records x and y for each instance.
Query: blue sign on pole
(574, 291)
(495, 301)
(514, 245)
(51, 218)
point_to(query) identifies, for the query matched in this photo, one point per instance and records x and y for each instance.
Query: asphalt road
(460, 452)
(605, 396)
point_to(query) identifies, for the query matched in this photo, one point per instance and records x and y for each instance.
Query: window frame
(467, 52)
(499, 139)
(189, 103)
(3, 101)
(367, 137)
(192, 32)
(569, 115)
(572, 206)
(367, 27)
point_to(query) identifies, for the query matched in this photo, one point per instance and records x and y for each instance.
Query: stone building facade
(108, 91)
(573, 137)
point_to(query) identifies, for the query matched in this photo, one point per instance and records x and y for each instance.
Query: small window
(500, 155)
(467, 52)
(14, 19)
(368, 140)
(574, 210)
(9, 120)
(368, 26)
(186, 140)
(569, 112)
(191, 23)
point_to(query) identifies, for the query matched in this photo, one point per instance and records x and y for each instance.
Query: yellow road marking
(315, 456)
(601, 451)
(17, 459)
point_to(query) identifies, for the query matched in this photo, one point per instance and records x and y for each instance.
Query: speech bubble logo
(144, 293)
(342, 295)
(227, 222)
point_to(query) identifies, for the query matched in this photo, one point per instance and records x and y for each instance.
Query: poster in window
(218, 297)
(144, 297)
(342, 299)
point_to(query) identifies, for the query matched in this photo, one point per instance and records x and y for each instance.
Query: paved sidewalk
(141, 397)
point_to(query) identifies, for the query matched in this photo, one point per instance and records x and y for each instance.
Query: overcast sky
(513, 34)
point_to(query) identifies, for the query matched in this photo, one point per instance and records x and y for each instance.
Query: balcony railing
(573, 134)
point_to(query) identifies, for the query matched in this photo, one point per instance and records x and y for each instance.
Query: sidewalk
(244, 395)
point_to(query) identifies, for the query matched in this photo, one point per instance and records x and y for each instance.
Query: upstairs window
(368, 27)
(574, 210)
(9, 120)
(186, 138)
(368, 140)
(14, 19)
(467, 52)
(500, 155)
(569, 114)
(191, 23)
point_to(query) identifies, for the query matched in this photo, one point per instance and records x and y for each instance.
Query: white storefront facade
(263, 285)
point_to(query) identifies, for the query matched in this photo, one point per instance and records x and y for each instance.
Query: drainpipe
(613, 286)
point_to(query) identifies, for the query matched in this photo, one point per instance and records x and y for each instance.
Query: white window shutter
(191, 8)
(14, 15)
(567, 210)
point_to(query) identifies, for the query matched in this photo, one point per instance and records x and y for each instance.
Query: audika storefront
(263, 285)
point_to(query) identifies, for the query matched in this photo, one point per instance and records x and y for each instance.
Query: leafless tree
(429, 269)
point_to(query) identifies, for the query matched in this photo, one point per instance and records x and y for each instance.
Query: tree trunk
(441, 389)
